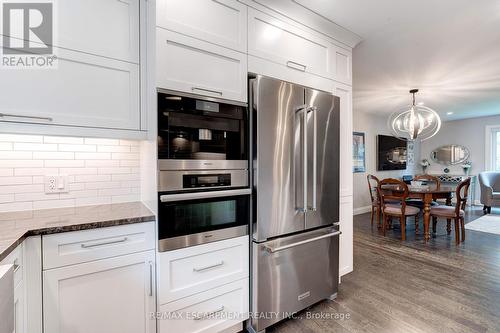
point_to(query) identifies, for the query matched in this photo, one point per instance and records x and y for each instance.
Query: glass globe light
(417, 122)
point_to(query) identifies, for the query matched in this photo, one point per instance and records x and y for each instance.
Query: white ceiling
(449, 49)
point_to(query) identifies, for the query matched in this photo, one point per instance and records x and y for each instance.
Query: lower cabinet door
(211, 311)
(103, 296)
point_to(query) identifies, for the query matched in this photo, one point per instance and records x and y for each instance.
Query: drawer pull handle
(296, 65)
(207, 90)
(87, 246)
(201, 269)
(2, 115)
(150, 278)
(208, 314)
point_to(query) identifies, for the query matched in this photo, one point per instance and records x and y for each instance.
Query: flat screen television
(391, 153)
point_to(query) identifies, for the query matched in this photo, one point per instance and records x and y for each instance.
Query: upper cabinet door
(108, 28)
(190, 65)
(285, 44)
(222, 22)
(84, 91)
(343, 65)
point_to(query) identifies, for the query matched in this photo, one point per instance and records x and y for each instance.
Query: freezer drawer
(292, 273)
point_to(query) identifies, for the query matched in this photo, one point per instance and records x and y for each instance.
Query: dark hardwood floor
(411, 286)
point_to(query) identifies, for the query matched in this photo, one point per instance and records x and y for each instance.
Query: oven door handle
(203, 195)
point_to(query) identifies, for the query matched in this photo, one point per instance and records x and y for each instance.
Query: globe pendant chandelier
(417, 122)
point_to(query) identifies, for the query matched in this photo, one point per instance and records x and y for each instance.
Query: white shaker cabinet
(84, 91)
(96, 83)
(343, 65)
(345, 93)
(221, 22)
(346, 238)
(15, 258)
(108, 295)
(290, 46)
(190, 65)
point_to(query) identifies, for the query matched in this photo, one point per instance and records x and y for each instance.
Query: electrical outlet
(56, 184)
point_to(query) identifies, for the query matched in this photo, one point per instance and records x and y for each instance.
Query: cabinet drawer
(210, 311)
(88, 245)
(190, 65)
(16, 258)
(285, 44)
(195, 269)
(84, 91)
(222, 22)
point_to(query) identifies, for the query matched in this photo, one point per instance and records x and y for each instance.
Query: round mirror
(450, 154)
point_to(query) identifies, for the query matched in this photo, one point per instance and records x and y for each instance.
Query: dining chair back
(429, 179)
(373, 183)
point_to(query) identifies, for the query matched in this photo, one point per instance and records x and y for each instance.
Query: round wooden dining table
(427, 194)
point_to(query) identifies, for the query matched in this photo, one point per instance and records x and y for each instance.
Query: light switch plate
(56, 184)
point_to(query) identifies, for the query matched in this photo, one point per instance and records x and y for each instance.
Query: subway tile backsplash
(99, 171)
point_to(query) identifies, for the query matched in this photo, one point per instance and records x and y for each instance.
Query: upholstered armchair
(490, 189)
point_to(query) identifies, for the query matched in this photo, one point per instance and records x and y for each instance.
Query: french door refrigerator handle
(314, 111)
(304, 110)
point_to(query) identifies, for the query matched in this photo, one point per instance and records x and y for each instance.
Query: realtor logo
(28, 35)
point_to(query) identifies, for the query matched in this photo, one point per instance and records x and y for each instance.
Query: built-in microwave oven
(202, 143)
(188, 219)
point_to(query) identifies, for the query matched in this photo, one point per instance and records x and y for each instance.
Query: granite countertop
(16, 226)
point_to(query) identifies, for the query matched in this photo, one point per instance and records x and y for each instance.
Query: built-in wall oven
(189, 219)
(202, 144)
(203, 149)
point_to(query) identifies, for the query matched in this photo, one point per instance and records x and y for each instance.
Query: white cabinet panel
(346, 179)
(222, 22)
(19, 318)
(208, 312)
(195, 269)
(343, 66)
(108, 28)
(84, 90)
(16, 258)
(264, 67)
(87, 245)
(346, 239)
(190, 65)
(282, 43)
(109, 295)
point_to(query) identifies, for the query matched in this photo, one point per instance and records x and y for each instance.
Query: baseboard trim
(362, 210)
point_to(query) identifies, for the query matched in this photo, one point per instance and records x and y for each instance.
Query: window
(492, 146)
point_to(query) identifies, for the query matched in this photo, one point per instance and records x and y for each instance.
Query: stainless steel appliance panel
(276, 120)
(292, 273)
(323, 158)
(173, 180)
(172, 165)
(180, 242)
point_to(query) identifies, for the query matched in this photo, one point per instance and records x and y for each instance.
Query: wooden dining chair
(394, 204)
(456, 213)
(376, 206)
(429, 179)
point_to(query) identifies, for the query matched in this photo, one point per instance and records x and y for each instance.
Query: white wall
(469, 133)
(372, 125)
(100, 171)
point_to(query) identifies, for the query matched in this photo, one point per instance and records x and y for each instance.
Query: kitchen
(181, 161)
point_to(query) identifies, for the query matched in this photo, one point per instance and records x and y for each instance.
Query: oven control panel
(201, 181)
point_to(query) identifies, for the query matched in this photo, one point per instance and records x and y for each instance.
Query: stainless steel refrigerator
(295, 248)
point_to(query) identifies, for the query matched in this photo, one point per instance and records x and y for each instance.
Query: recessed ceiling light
(420, 103)
(449, 113)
